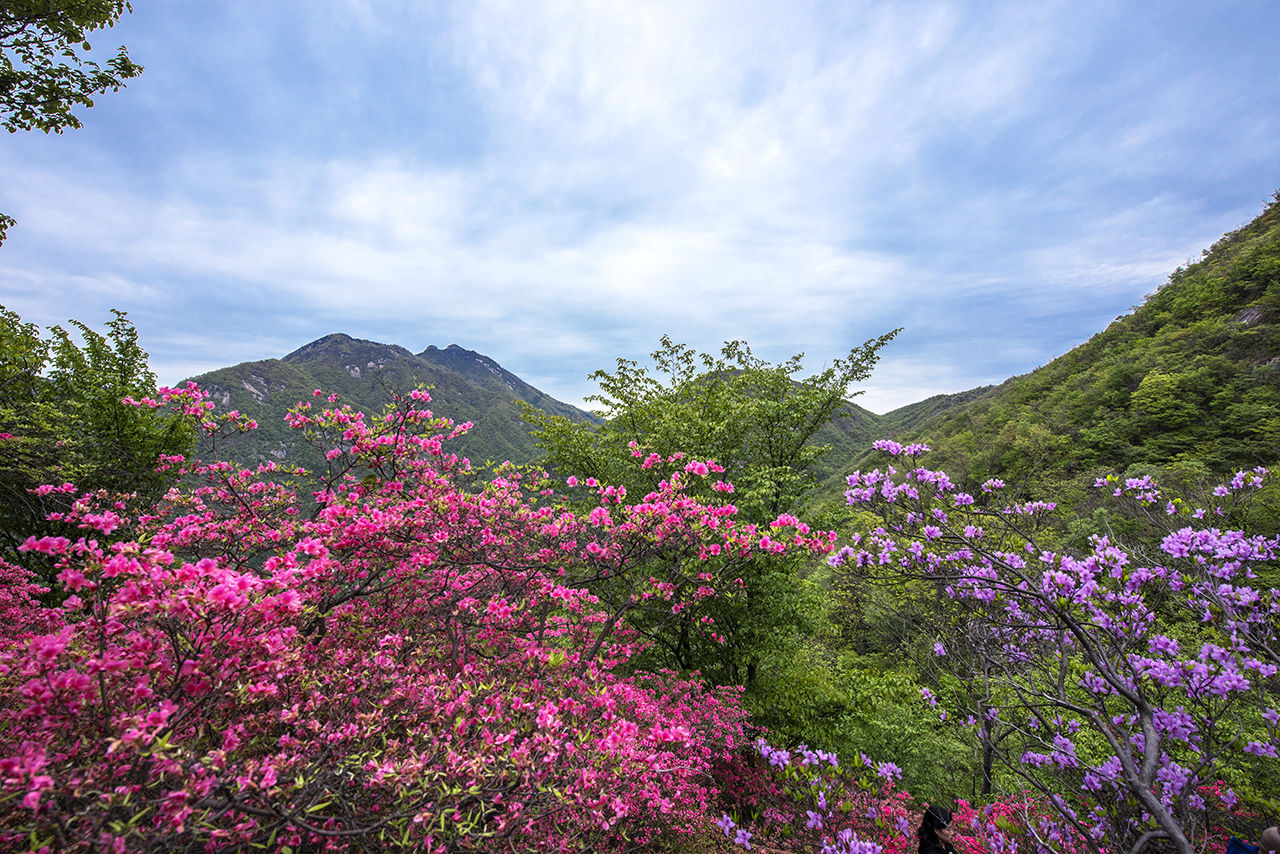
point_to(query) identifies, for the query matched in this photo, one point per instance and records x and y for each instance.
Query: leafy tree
(753, 418)
(44, 74)
(751, 424)
(63, 418)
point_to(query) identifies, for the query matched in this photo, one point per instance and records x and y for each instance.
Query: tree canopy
(752, 417)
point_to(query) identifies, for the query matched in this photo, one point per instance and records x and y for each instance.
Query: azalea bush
(806, 798)
(405, 655)
(1114, 687)
(810, 800)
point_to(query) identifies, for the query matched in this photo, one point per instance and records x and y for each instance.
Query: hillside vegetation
(1190, 379)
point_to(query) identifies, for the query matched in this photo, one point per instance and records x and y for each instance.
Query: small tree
(754, 418)
(753, 423)
(63, 418)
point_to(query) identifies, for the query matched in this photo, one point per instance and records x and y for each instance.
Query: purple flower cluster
(847, 842)
(894, 449)
(1165, 644)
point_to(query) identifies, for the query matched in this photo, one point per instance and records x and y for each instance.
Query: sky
(558, 184)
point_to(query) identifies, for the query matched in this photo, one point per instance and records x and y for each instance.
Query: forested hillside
(1190, 378)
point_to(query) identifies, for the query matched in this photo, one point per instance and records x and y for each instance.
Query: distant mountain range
(465, 386)
(1190, 379)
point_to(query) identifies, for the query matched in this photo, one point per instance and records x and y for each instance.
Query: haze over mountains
(1191, 377)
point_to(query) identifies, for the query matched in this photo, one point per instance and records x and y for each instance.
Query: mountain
(488, 374)
(1188, 382)
(465, 386)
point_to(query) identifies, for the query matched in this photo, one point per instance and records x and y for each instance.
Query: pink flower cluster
(408, 661)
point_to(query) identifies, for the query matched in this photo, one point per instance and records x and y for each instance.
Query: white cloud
(803, 177)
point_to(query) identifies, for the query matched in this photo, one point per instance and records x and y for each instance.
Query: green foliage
(750, 416)
(839, 704)
(62, 419)
(763, 623)
(886, 634)
(43, 72)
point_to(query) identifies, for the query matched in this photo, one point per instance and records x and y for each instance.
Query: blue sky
(558, 184)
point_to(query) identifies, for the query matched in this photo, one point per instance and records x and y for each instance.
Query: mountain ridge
(364, 373)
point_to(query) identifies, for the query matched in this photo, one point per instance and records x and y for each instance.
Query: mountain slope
(363, 373)
(849, 434)
(1191, 378)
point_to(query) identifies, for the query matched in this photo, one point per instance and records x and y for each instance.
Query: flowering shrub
(804, 797)
(21, 612)
(1097, 688)
(402, 662)
(816, 804)
(413, 657)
